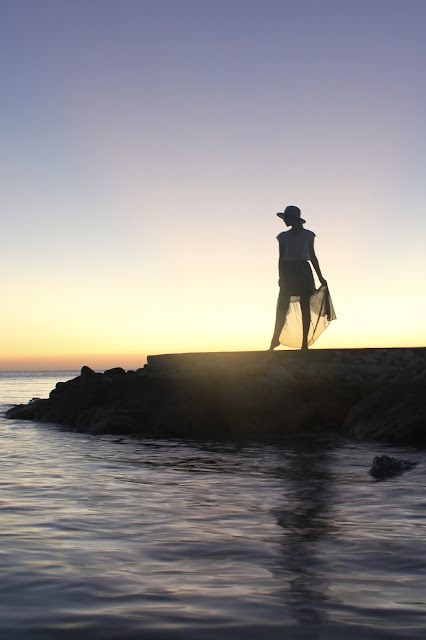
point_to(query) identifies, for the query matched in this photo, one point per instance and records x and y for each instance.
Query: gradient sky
(147, 145)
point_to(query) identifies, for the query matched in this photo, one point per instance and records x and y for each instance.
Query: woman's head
(291, 216)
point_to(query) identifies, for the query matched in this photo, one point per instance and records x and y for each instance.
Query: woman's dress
(322, 313)
(297, 283)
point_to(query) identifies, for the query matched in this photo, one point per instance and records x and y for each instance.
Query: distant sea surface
(124, 537)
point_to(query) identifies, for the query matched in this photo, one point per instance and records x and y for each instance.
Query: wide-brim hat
(291, 212)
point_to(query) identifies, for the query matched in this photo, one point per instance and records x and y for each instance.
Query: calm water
(117, 537)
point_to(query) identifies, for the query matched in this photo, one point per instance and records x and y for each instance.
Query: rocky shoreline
(374, 394)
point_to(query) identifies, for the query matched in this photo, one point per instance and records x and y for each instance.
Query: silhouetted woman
(297, 287)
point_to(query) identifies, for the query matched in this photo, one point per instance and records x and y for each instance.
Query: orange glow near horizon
(220, 301)
(225, 303)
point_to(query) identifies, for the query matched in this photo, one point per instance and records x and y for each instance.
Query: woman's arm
(280, 261)
(315, 263)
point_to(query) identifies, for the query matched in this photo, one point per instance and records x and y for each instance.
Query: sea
(131, 538)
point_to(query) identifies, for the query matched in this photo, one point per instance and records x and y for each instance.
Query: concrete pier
(187, 361)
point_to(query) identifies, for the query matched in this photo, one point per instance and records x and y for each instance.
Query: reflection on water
(308, 521)
(119, 537)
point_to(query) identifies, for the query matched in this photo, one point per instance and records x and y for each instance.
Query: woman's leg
(305, 304)
(282, 308)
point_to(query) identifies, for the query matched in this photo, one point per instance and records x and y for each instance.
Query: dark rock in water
(394, 413)
(99, 420)
(100, 403)
(21, 411)
(386, 467)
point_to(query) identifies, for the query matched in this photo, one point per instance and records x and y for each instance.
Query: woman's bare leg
(305, 304)
(282, 308)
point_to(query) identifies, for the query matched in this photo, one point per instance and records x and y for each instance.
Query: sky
(148, 144)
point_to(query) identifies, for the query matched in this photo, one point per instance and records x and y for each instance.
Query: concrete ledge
(179, 361)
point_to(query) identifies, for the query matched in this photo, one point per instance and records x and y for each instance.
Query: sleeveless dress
(297, 284)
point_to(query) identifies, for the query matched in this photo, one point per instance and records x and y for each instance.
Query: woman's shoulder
(309, 233)
(281, 236)
(284, 235)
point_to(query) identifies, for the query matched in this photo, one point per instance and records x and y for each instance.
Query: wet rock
(99, 403)
(386, 467)
(100, 420)
(21, 412)
(36, 409)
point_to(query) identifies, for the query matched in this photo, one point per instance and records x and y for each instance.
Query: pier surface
(179, 361)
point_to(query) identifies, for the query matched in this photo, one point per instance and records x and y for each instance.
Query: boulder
(87, 374)
(116, 371)
(21, 412)
(100, 420)
(386, 467)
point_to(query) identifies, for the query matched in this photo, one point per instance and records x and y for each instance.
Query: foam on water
(122, 537)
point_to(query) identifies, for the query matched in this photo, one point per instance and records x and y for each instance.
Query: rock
(68, 400)
(36, 409)
(395, 413)
(99, 420)
(21, 412)
(386, 467)
(142, 371)
(116, 371)
(86, 373)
